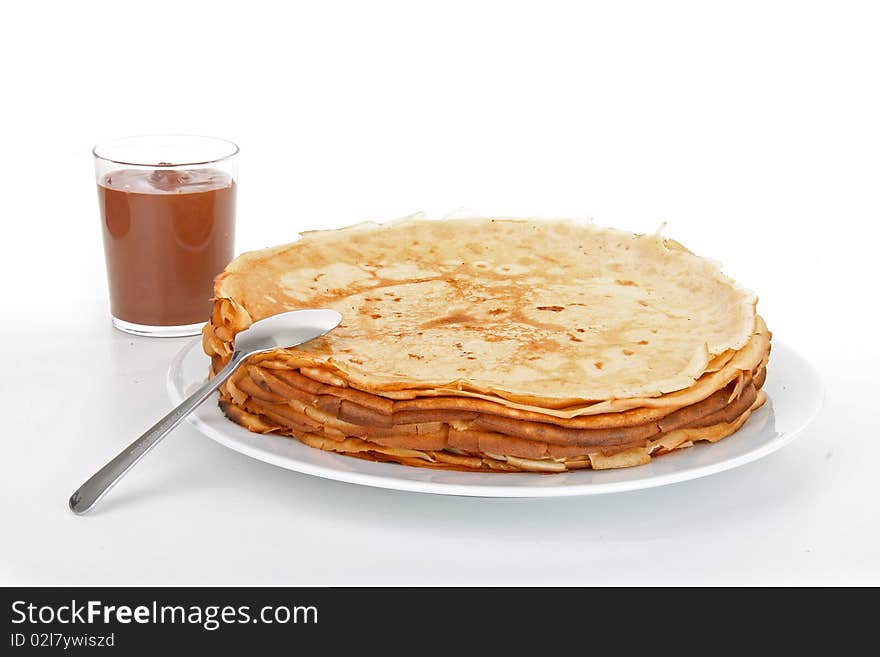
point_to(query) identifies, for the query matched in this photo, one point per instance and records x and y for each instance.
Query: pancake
(551, 314)
(616, 412)
(486, 451)
(494, 345)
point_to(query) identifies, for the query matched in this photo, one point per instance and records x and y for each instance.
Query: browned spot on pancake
(458, 344)
(626, 282)
(579, 330)
(397, 298)
(488, 441)
(298, 381)
(643, 342)
(628, 352)
(555, 309)
(356, 361)
(455, 318)
(472, 358)
(731, 411)
(517, 316)
(354, 413)
(502, 291)
(416, 356)
(574, 338)
(598, 365)
(759, 378)
(642, 302)
(496, 311)
(376, 316)
(545, 345)
(564, 436)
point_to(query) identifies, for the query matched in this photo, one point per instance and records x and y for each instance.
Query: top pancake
(531, 311)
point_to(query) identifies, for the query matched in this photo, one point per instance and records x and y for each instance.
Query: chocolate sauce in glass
(167, 234)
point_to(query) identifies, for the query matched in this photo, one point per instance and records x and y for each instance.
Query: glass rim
(234, 149)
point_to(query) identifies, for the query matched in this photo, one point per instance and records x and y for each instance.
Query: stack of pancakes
(494, 345)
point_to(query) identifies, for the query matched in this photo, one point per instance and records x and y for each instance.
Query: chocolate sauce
(167, 234)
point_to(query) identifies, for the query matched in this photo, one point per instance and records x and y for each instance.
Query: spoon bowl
(286, 330)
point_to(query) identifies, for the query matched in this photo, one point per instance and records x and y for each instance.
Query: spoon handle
(87, 495)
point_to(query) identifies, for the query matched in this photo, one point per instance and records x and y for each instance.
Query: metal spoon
(278, 331)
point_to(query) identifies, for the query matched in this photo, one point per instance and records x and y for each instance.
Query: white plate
(794, 392)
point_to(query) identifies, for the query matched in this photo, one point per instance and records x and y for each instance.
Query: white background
(751, 128)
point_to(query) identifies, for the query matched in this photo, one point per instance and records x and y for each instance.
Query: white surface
(751, 128)
(793, 388)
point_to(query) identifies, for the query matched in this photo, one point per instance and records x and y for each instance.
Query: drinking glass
(168, 219)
